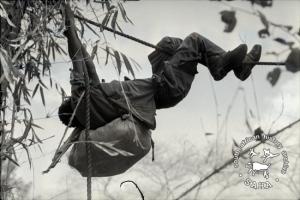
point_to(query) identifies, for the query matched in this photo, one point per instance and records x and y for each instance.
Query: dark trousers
(175, 73)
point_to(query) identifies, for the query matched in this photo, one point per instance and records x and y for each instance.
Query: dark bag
(115, 147)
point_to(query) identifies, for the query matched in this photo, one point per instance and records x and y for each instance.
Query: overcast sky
(196, 115)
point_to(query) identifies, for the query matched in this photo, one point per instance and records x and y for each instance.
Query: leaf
(4, 15)
(94, 51)
(42, 96)
(128, 65)
(91, 29)
(123, 12)
(263, 33)
(37, 126)
(288, 27)
(118, 61)
(5, 62)
(284, 42)
(274, 75)
(106, 150)
(53, 50)
(60, 49)
(28, 154)
(106, 19)
(136, 64)
(262, 3)
(35, 135)
(10, 158)
(119, 27)
(26, 131)
(41, 82)
(107, 54)
(263, 19)
(228, 17)
(51, 82)
(17, 94)
(292, 63)
(114, 21)
(108, 147)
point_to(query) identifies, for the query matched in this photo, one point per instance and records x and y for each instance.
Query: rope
(122, 34)
(152, 45)
(87, 128)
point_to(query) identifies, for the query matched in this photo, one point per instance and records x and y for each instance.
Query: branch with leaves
(230, 161)
(292, 62)
(31, 34)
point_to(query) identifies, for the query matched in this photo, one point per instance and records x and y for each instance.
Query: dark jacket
(108, 102)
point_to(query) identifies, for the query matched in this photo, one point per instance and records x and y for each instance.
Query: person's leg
(77, 52)
(196, 47)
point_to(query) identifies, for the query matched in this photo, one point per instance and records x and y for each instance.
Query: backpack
(115, 147)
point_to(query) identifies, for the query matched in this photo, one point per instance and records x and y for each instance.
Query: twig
(230, 161)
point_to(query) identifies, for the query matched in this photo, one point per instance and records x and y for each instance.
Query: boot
(244, 70)
(220, 65)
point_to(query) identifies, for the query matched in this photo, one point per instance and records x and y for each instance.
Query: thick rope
(87, 128)
(152, 45)
(122, 34)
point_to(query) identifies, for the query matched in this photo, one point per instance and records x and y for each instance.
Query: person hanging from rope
(173, 75)
(122, 113)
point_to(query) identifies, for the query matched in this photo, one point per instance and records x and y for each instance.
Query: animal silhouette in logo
(255, 167)
(268, 154)
(252, 153)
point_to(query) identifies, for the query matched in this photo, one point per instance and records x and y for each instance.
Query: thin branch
(230, 161)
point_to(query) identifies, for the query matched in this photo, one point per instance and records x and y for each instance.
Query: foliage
(31, 37)
(13, 187)
(293, 60)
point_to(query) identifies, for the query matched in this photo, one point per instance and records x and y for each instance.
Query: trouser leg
(193, 47)
(75, 53)
(197, 47)
(80, 58)
(78, 54)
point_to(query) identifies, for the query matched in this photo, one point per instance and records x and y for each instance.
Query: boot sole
(248, 68)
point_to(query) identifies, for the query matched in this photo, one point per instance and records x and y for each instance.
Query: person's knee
(195, 35)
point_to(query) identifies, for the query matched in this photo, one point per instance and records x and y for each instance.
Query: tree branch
(230, 161)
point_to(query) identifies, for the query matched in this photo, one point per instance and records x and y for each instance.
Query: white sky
(196, 115)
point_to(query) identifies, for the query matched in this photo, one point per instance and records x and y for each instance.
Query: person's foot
(244, 70)
(228, 61)
(69, 19)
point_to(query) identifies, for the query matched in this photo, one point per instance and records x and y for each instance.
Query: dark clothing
(173, 75)
(108, 102)
(173, 79)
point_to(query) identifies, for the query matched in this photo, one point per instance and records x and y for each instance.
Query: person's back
(113, 99)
